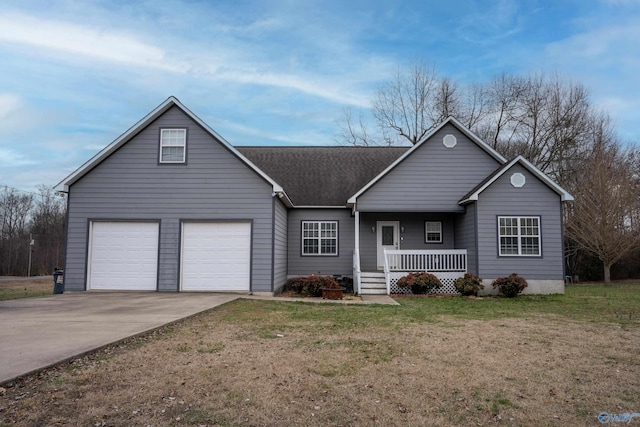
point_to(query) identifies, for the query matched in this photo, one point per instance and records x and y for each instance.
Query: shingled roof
(322, 176)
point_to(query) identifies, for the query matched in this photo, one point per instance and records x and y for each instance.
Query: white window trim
(426, 231)
(319, 238)
(183, 144)
(519, 236)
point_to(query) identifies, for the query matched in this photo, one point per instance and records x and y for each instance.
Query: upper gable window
(173, 145)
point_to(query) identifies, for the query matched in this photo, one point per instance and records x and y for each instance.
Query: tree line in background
(552, 123)
(32, 227)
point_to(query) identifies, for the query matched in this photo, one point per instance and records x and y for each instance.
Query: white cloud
(307, 85)
(71, 41)
(9, 103)
(489, 24)
(253, 136)
(13, 158)
(601, 46)
(606, 59)
(14, 114)
(99, 43)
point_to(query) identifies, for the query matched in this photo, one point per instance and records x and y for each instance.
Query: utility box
(58, 281)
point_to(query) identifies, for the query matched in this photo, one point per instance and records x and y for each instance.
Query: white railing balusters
(425, 260)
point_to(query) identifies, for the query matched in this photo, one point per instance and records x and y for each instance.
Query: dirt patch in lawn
(25, 288)
(260, 363)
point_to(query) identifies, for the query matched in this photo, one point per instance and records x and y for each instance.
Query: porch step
(372, 283)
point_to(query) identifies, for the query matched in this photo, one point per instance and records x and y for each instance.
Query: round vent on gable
(518, 180)
(449, 141)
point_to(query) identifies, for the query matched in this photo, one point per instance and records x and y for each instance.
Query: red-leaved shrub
(311, 285)
(468, 285)
(511, 285)
(420, 283)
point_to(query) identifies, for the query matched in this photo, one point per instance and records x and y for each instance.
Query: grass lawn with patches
(534, 360)
(14, 289)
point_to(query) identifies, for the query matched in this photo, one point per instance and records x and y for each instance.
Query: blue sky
(75, 74)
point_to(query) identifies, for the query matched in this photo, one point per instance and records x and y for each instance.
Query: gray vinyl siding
(279, 245)
(131, 185)
(412, 238)
(432, 179)
(466, 236)
(324, 265)
(534, 199)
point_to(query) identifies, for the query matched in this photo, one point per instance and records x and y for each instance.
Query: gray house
(171, 206)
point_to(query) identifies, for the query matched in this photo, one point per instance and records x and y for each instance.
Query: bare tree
(410, 104)
(413, 102)
(355, 132)
(23, 220)
(502, 95)
(47, 228)
(14, 211)
(605, 217)
(545, 119)
(473, 107)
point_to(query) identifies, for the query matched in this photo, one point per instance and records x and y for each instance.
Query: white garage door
(123, 256)
(216, 256)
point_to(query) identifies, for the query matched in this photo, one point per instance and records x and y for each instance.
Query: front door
(388, 237)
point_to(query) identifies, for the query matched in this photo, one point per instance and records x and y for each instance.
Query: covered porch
(446, 265)
(389, 245)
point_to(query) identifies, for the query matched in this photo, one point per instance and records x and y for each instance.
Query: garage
(123, 256)
(216, 256)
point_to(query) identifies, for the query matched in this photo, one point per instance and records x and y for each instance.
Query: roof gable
(143, 123)
(475, 193)
(450, 120)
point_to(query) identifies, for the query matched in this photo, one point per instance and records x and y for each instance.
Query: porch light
(373, 229)
(402, 229)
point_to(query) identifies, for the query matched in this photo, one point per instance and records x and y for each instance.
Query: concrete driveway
(39, 332)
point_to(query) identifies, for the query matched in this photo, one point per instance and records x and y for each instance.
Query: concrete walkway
(379, 299)
(36, 333)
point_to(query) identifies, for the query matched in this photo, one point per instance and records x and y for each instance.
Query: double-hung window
(173, 145)
(319, 237)
(433, 231)
(519, 236)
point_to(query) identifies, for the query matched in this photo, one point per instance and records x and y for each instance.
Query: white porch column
(356, 252)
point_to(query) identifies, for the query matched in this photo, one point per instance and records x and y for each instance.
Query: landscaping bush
(468, 285)
(420, 283)
(510, 286)
(311, 285)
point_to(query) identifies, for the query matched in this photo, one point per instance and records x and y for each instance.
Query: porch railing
(447, 265)
(427, 260)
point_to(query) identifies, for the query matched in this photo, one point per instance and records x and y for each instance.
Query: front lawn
(533, 360)
(25, 288)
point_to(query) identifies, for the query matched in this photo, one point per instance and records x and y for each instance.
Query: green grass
(19, 289)
(214, 347)
(614, 303)
(617, 303)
